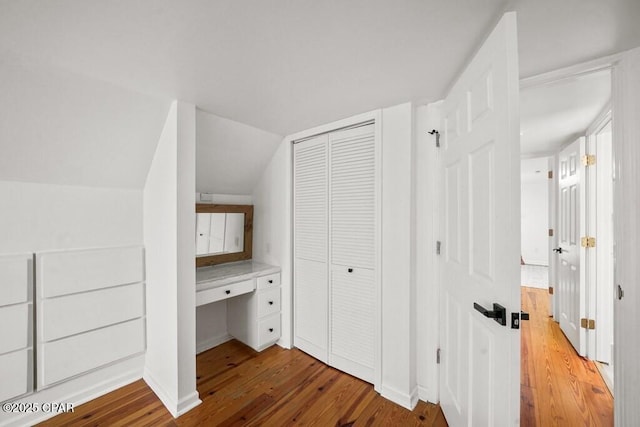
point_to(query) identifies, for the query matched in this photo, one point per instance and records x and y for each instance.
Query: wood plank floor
(240, 387)
(558, 387)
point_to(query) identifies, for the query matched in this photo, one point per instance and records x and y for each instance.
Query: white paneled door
(480, 155)
(571, 281)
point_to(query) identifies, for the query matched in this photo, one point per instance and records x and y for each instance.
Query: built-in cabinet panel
(65, 358)
(90, 310)
(16, 325)
(335, 194)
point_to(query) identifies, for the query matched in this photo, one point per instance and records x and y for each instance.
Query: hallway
(558, 387)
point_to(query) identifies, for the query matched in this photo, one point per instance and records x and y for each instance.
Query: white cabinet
(336, 226)
(254, 318)
(16, 321)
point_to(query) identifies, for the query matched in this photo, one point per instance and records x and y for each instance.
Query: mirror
(223, 233)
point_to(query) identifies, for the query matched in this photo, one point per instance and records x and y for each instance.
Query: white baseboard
(212, 342)
(78, 390)
(408, 401)
(176, 408)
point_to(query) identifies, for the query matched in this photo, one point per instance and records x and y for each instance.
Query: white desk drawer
(16, 321)
(268, 330)
(269, 281)
(269, 302)
(223, 292)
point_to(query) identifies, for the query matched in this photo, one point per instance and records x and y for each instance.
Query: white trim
(209, 343)
(408, 401)
(175, 408)
(187, 403)
(555, 76)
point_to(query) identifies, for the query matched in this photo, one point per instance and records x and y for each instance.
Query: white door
(570, 278)
(480, 153)
(352, 213)
(310, 234)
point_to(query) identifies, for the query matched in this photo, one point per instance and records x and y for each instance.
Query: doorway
(566, 141)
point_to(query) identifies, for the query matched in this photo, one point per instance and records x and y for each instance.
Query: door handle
(558, 250)
(499, 313)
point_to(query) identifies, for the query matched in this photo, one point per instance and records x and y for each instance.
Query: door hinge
(620, 292)
(589, 159)
(550, 290)
(588, 242)
(587, 323)
(437, 135)
(438, 247)
(550, 174)
(551, 232)
(438, 356)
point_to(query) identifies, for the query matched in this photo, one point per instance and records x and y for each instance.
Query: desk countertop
(224, 274)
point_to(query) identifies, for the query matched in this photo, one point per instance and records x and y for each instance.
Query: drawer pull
(227, 291)
(270, 329)
(270, 302)
(271, 281)
(350, 270)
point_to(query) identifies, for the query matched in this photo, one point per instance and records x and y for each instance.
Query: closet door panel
(310, 183)
(353, 197)
(353, 305)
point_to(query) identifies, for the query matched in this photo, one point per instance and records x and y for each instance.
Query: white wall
(39, 217)
(535, 211)
(169, 199)
(231, 156)
(398, 280)
(272, 228)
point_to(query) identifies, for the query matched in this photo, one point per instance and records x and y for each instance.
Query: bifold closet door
(310, 193)
(352, 236)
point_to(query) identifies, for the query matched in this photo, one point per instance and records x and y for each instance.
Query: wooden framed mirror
(224, 233)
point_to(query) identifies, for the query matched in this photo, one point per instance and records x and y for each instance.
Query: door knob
(558, 250)
(499, 313)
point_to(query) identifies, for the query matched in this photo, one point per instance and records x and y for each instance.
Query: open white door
(480, 153)
(571, 277)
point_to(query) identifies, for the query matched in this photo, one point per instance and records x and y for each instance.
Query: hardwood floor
(558, 387)
(240, 387)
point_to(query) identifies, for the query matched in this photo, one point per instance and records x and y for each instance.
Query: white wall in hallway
(534, 211)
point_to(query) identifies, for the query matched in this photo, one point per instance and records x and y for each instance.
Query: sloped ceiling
(230, 156)
(63, 128)
(79, 115)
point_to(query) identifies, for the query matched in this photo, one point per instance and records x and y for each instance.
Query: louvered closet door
(310, 184)
(352, 251)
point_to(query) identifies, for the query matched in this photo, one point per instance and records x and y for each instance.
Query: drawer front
(269, 302)
(216, 294)
(268, 330)
(16, 321)
(16, 372)
(67, 357)
(16, 274)
(73, 314)
(269, 281)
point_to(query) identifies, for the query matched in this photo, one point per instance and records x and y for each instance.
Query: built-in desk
(252, 291)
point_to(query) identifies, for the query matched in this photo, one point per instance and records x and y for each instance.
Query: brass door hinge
(589, 159)
(551, 232)
(550, 174)
(550, 290)
(588, 242)
(587, 323)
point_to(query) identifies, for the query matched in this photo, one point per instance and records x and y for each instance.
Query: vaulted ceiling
(277, 65)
